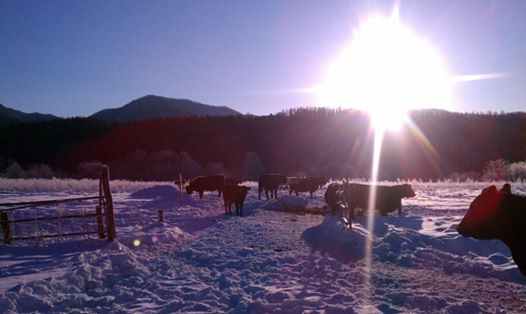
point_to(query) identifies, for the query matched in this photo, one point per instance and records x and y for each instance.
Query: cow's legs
(266, 194)
(346, 214)
(201, 194)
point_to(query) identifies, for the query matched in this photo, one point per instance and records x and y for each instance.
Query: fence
(103, 214)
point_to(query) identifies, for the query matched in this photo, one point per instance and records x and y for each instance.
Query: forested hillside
(336, 143)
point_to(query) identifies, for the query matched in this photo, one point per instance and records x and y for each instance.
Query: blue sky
(73, 58)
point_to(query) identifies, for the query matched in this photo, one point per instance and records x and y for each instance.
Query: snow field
(277, 258)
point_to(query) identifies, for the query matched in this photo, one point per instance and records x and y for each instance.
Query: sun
(386, 70)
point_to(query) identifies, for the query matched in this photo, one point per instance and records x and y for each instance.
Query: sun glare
(386, 70)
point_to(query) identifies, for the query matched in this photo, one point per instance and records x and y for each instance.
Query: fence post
(5, 227)
(105, 179)
(100, 223)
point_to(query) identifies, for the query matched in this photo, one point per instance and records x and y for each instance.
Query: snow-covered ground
(287, 256)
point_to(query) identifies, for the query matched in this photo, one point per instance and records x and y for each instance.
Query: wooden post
(4, 218)
(100, 223)
(160, 212)
(105, 179)
(98, 211)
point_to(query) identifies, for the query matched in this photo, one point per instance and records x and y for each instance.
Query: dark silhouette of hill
(336, 143)
(9, 116)
(150, 107)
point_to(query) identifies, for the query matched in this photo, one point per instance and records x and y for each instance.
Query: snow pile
(298, 204)
(399, 240)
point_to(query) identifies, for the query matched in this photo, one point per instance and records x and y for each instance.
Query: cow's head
(482, 219)
(506, 188)
(407, 190)
(189, 190)
(244, 190)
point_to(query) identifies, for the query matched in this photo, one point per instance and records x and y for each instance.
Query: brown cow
(387, 198)
(270, 182)
(234, 194)
(306, 184)
(498, 215)
(209, 183)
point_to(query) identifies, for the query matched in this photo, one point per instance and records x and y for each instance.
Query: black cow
(209, 183)
(270, 182)
(234, 194)
(498, 215)
(387, 198)
(334, 196)
(306, 184)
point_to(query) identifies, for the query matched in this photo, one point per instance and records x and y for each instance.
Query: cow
(498, 215)
(334, 196)
(270, 182)
(307, 184)
(208, 183)
(234, 194)
(387, 198)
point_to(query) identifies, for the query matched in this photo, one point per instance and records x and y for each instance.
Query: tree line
(306, 141)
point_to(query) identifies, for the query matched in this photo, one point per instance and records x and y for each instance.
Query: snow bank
(399, 240)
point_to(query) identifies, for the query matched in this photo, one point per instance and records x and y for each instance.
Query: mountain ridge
(143, 108)
(9, 116)
(153, 106)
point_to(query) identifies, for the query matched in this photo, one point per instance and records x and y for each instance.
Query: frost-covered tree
(213, 168)
(517, 170)
(90, 169)
(189, 167)
(40, 171)
(253, 168)
(163, 165)
(14, 170)
(495, 170)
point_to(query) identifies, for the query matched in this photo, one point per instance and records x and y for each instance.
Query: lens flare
(386, 70)
(136, 242)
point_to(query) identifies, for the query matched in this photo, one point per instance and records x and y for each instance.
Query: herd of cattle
(494, 214)
(339, 196)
